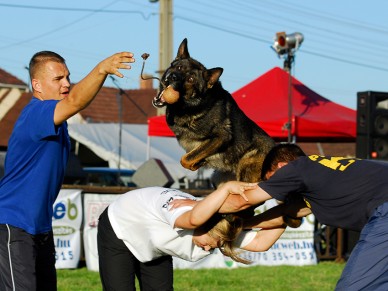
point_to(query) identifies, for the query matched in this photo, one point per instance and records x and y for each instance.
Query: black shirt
(341, 192)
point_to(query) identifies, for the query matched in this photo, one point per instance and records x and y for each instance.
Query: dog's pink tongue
(169, 95)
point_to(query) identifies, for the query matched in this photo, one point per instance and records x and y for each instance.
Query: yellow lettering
(307, 203)
(343, 167)
(314, 157)
(335, 163)
(332, 163)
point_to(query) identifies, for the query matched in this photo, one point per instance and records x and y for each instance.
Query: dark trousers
(367, 266)
(27, 262)
(118, 266)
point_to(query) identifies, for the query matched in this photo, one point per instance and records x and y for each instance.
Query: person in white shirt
(139, 233)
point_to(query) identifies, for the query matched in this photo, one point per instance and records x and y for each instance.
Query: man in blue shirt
(35, 164)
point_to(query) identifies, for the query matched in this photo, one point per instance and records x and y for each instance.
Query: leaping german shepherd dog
(208, 123)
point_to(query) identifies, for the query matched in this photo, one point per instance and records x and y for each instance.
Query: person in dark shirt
(343, 192)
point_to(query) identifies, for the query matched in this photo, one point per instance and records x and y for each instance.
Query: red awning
(157, 126)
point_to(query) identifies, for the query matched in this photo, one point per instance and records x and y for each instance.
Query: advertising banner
(94, 205)
(67, 220)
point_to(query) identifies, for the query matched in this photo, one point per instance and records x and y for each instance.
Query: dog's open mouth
(158, 101)
(168, 95)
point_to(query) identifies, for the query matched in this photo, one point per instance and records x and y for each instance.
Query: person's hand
(112, 65)
(238, 188)
(176, 203)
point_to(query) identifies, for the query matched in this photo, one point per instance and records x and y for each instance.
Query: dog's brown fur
(208, 123)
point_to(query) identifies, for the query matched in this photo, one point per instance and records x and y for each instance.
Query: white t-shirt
(141, 218)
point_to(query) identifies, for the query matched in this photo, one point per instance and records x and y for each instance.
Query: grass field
(320, 277)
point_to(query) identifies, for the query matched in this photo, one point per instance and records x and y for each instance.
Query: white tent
(136, 146)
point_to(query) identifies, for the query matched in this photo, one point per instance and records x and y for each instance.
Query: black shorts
(27, 262)
(118, 266)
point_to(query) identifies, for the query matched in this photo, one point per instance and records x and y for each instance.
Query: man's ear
(271, 172)
(35, 84)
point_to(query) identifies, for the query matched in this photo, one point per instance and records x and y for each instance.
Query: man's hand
(112, 64)
(237, 188)
(235, 203)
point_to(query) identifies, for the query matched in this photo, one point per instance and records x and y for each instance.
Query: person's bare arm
(264, 239)
(208, 206)
(236, 203)
(272, 224)
(275, 216)
(271, 218)
(84, 92)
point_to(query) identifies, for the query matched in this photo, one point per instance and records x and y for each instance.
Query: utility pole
(165, 35)
(165, 38)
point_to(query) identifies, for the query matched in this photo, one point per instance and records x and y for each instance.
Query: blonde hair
(227, 229)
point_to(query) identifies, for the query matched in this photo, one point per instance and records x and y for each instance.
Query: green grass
(320, 277)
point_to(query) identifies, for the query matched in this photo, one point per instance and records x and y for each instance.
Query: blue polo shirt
(35, 165)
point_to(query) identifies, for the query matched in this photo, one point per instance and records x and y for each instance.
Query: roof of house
(136, 106)
(8, 121)
(7, 78)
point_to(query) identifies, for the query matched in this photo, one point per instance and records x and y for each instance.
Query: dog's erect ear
(213, 74)
(183, 51)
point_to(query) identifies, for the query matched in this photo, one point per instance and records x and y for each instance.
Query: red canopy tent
(265, 101)
(157, 126)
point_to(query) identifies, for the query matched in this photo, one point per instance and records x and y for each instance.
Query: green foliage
(320, 277)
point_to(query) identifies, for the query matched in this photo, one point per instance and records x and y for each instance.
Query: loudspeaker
(152, 173)
(372, 125)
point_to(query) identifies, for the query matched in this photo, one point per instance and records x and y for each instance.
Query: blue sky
(344, 51)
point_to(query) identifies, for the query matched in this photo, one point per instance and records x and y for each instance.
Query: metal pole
(287, 67)
(120, 104)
